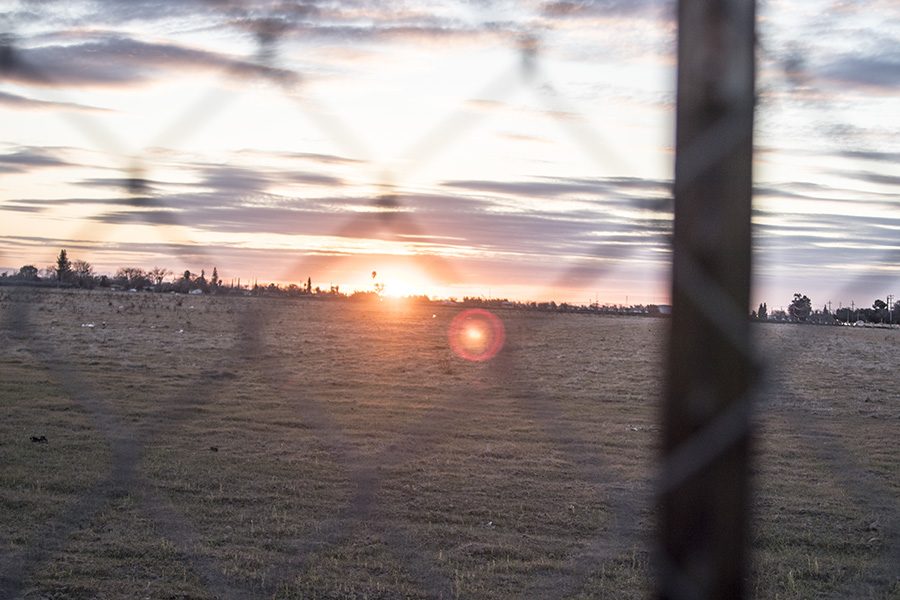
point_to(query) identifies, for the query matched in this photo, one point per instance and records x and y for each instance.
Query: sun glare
(400, 287)
(476, 335)
(400, 282)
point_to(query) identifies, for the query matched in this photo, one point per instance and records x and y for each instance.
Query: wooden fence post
(704, 483)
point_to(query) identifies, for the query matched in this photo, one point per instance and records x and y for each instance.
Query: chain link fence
(338, 531)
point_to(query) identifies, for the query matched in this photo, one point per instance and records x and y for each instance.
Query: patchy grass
(203, 447)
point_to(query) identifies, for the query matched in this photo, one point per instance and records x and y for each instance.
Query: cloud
(346, 21)
(460, 223)
(117, 60)
(538, 189)
(17, 101)
(555, 187)
(610, 213)
(873, 155)
(29, 158)
(870, 177)
(322, 158)
(228, 179)
(602, 8)
(874, 72)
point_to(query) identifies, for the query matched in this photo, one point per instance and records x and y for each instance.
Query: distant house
(196, 292)
(665, 309)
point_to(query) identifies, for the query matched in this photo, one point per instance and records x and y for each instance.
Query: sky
(519, 149)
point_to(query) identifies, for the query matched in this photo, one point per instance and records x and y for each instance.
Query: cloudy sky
(512, 148)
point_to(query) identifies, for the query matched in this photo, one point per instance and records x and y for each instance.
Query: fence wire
(368, 473)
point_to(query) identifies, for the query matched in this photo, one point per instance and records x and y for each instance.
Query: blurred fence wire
(702, 486)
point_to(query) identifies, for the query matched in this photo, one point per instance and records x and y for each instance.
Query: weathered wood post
(704, 483)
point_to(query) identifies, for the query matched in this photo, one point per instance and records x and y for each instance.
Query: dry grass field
(201, 447)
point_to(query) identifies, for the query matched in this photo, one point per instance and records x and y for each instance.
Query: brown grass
(357, 457)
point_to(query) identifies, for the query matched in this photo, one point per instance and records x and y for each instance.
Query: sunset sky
(513, 148)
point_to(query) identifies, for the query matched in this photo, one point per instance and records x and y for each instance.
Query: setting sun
(400, 282)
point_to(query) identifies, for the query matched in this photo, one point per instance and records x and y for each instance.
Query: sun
(402, 282)
(399, 287)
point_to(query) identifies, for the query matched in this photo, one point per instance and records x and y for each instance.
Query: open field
(201, 447)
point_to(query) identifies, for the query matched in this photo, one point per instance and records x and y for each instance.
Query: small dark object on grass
(214, 448)
(39, 439)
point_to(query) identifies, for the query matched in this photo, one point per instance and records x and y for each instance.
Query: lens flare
(476, 335)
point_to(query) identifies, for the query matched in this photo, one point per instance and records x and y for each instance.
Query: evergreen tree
(63, 267)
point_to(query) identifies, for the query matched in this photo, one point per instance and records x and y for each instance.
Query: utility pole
(703, 498)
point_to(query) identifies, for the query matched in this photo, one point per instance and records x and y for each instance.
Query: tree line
(800, 310)
(66, 272)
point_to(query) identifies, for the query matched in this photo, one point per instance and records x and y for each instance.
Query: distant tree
(778, 315)
(763, 312)
(83, 273)
(309, 285)
(48, 272)
(880, 312)
(363, 296)
(133, 277)
(184, 282)
(158, 274)
(63, 267)
(28, 273)
(200, 282)
(800, 308)
(214, 281)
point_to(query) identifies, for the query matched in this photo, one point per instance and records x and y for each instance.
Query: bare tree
(132, 276)
(83, 273)
(157, 274)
